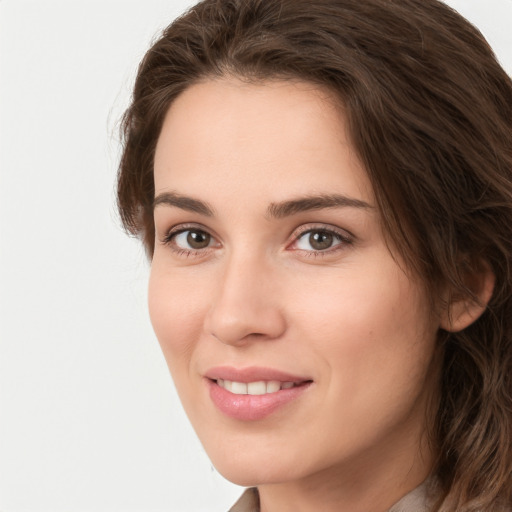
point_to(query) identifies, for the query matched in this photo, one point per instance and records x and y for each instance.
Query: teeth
(254, 388)
(239, 388)
(273, 386)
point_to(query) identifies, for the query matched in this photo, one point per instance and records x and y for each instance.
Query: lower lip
(252, 407)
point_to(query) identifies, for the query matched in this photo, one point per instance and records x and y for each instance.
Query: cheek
(176, 309)
(374, 341)
(369, 327)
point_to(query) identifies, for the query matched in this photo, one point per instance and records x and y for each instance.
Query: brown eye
(198, 239)
(194, 239)
(320, 240)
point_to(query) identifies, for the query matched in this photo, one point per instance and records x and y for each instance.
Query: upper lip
(252, 374)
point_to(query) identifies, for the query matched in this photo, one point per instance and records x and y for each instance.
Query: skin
(349, 316)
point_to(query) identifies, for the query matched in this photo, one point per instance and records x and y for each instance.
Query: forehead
(258, 137)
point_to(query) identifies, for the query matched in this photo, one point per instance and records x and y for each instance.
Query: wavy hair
(429, 111)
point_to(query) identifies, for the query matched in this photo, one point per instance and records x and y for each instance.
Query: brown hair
(430, 114)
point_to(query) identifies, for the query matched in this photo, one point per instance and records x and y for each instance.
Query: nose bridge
(245, 306)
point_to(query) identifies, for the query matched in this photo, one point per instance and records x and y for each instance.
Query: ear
(463, 311)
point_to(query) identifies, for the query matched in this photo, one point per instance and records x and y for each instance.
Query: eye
(319, 240)
(192, 239)
(189, 241)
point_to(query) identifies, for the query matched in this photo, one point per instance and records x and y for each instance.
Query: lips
(252, 394)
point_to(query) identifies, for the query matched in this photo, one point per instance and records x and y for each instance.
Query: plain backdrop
(89, 419)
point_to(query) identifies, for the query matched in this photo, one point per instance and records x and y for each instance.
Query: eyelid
(176, 229)
(320, 226)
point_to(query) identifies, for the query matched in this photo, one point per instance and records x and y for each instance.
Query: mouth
(252, 394)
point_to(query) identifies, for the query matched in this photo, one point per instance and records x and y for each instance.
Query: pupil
(198, 239)
(320, 240)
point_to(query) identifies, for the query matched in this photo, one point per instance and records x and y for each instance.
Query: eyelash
(343, 238)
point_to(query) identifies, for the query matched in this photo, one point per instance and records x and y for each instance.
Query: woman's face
(297, 342)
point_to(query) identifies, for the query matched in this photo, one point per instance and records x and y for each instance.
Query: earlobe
(462, 312)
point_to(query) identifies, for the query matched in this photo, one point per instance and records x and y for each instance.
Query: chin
(252, 475)
(250, 467)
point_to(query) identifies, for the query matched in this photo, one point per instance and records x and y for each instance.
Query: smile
(260, 387)
(252, 394)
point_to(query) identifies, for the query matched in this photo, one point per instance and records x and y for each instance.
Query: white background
(89, 420)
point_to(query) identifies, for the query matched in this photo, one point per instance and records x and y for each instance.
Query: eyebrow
(185, 203)
(275, 210)
(320, 202)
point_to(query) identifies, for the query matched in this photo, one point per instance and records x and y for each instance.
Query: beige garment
(418, 500)
(248, 502)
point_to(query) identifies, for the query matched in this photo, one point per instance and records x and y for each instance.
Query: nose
(246, 307)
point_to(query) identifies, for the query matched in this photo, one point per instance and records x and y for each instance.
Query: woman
(325, 191)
